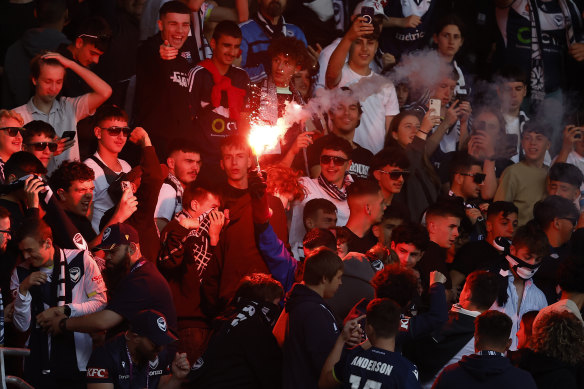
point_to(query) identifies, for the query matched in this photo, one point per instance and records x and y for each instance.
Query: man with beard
(258, 32)
(134, 284)
(54, 282)
(187, 245)
(139, 358)
(345, 118)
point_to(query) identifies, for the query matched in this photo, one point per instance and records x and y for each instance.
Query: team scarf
(235, 95)
(334, 191)
(271, 31)
(537, 80)
(61, 284)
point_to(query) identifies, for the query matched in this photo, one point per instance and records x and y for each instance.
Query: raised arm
(334, 69)
(101, 89)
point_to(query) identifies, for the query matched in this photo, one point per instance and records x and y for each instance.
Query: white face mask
(523, 269)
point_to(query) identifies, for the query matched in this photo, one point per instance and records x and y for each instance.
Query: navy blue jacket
(311, 332)
(483, 371)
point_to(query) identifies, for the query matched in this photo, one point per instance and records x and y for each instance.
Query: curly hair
(284, 180)
(8, 114)
(397, 283)
(69, 171)
(559, 335)
(289, 46)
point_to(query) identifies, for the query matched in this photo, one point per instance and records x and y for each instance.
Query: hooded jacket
(308, 330)
(548, 372)
(484, 371)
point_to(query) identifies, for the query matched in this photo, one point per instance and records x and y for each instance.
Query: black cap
(152, 324)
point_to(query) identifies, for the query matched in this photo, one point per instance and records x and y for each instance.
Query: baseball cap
(117, 234)
(376, 5)
(152, 324)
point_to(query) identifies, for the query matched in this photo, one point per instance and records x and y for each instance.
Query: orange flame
(264, 137)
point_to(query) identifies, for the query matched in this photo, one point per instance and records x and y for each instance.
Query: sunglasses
(41, 146)
(115, 131)
(13, 131)
(396, 174)
(572, 220)
(478, 178)
(327, 159)
(6, 231)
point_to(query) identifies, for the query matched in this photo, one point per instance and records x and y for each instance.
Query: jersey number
(369, 384)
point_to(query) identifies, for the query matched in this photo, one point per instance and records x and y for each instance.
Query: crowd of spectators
(309, 194)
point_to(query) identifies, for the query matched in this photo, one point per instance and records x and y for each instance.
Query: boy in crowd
(360, 43)
(488, 366)
(483, 254)
(455, 339)
(392, 217)
(572, 150)
(187, 244)
(390, 168)
(331, 184)
(376, 366)
(366, 206)
(268, 102)
(317, 213)
(345, 118)
(466, 179)
(112, 132)
(39, 139)
(511, 90)
(442, 222)
(557, 217)
(307, 328)
(63, 113)
(524, 183)
(219, 97)
(184, 164)
(243, 352)
(518, 293)
(53, 281)
(408, 242)
(565, 180)
(10, 137)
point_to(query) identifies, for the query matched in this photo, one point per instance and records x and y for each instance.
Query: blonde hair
(8, 114)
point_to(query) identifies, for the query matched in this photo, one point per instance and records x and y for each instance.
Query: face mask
(523, 269)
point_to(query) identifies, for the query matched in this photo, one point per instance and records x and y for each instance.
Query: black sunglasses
(13, 131)
(115, 131)
(327, 159)
(396, 174)
(478, 178)
(6, 232)
(572, 220)
(41, 146)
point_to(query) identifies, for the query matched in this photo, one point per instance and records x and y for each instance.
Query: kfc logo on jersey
(94, 372)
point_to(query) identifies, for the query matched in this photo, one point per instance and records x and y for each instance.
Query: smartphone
(436, 105)
(367, 13)
(69, 135)
(461, 97)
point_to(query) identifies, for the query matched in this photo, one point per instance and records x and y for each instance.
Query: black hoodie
(311, 334)
(484, 371)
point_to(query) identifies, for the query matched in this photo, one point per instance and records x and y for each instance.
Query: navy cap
(117, 234)
(152, 324)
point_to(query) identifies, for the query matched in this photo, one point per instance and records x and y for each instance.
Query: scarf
(537, 80)
(235, 96)
(61, 287)
(271, 31)
(334, 191)
(1, 320)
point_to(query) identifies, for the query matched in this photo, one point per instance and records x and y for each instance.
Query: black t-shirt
(479, 255)
(143, 288)
(213, 123)
(357, 244)
(110, 364)
(360, 157)
(434, 258)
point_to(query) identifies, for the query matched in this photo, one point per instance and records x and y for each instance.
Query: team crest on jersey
(186, 55)
(198, 364)
(106, 233)
(161, 324)
(153, 364)
(74, 274)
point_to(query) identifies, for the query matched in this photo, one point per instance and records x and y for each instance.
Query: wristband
(423, 132)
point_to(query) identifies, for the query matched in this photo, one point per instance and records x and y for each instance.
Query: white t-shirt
(168, 204)
(313, 191)
(64, 115)
(101, 198)
(371, 132)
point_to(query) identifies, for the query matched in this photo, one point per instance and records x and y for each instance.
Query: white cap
(376, 5)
